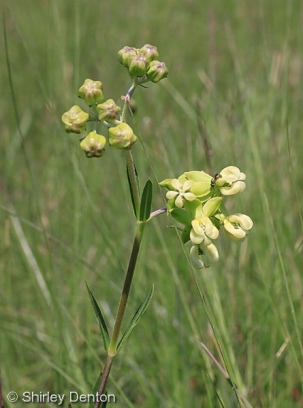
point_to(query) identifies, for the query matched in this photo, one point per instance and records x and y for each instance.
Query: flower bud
(157, 70)
(122, 136)
(138, 66)
(108, 110)
(126, 54)
(91, 92)
(75, 120)
(93, 145)
(150, 52)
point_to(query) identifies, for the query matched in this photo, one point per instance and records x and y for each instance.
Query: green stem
(112, 349)
(126, 288)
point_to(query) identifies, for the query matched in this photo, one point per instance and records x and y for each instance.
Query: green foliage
(146, 201)
(235, 81)
(135, 319)
(100, 319)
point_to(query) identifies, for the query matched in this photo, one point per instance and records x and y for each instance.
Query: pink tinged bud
(138, 66)
(150, 52)
(75, 120)
(93, 145)
(91, 92)
(157, 70)
(108, 110)
(122, 136)
(126, 54)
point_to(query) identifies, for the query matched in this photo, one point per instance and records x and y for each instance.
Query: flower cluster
(143, 67)
(76, 120)
(195, 200)
(143, 63)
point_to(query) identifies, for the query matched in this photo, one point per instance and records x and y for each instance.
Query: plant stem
(112, 349)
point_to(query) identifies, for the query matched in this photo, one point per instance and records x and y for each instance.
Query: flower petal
(171, 194)
(196, 257)
(236, 187)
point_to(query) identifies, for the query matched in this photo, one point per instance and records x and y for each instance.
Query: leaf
(182, 216)
(137, 316)
(100, 319)
(131, 187)
(146, 201)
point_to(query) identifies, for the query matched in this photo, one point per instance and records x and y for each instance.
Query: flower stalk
(112, 349)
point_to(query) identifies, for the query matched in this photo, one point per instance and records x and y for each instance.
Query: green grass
(67, 220)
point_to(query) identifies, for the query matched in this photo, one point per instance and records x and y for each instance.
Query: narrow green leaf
(146, 201)
(95, 390)
(137, 316)
(131, 188)
(70, 406)
(100, 319)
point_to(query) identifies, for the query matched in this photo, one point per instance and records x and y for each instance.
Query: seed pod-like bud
(93, 145)
(75, 120)
(91, 92)
(138, 66)
(150, 52)
(122, 136)
(126, 54)
(157, 70)
(108, 110)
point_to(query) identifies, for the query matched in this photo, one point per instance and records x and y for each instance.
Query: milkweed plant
(195, 199)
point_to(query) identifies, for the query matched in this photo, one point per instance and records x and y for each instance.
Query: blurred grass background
(235, 69)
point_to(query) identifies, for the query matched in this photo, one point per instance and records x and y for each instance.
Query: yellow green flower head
(237, 226)
(122, 136)
(126, 54)
(180, 192)
(157, 70)
(75, 120)
(150, 52)
(203, 230)
(108, 110)
(91, 92)
(203, 256)
(138, 66)
(231, 181)
(93, 145)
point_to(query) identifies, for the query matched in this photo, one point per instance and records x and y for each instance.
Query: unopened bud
(75, 120)
(138, 66)
(126, 54)
(122, 136)
(108, 110)
(157, 70)
(91, 92)
(93, 145)
(150, 52)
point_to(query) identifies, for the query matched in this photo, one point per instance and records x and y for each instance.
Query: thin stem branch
(112, 349)
(126, 288)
